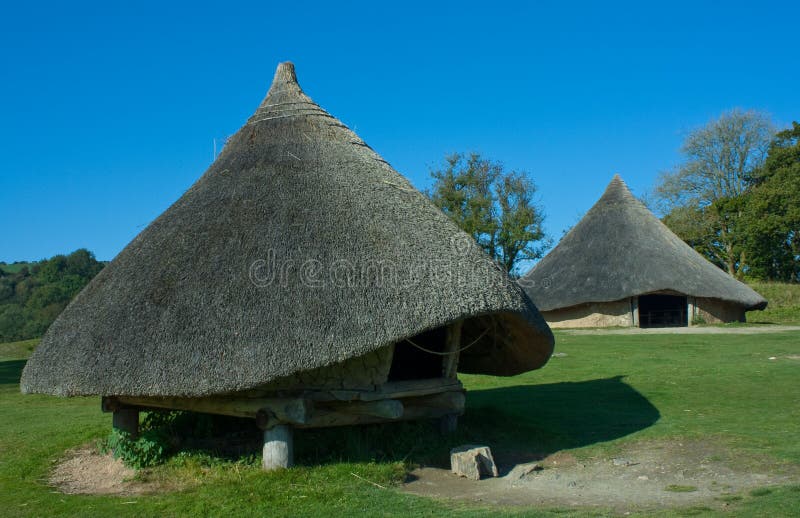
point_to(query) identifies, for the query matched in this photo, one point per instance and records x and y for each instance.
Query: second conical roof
(620, 249)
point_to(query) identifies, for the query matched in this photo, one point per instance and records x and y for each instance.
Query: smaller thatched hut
(621, 266)
(302, 282)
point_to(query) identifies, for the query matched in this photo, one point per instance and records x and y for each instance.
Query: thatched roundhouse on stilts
(302, 282)
(621, 266)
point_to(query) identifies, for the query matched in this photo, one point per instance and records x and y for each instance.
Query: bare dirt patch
(643, 476)
(85, 471)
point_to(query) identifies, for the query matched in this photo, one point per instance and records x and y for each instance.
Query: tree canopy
(703, 199)
(495, 206)
(772, 211)
(32, 296)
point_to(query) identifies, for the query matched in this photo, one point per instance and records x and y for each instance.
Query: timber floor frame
(392, 401)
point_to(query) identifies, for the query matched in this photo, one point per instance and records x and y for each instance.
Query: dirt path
(85, 471)
(646, 476)
(694, 330)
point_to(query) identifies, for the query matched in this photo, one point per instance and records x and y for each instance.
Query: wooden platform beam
(286, 410)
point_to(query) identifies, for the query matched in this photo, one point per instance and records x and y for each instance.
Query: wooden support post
(278, 451)
(126, 420)
(449, 422)
(635, 312)
(691, 312)
(451, 348)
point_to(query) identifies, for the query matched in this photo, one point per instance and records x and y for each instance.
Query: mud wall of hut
(361, 373)
(714, 311)
(600, 314)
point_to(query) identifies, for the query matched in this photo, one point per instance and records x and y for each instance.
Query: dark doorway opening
(412, 363)
(662, 311)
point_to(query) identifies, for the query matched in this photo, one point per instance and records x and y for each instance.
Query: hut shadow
(521, 424)
(11, 371)
(527, 423)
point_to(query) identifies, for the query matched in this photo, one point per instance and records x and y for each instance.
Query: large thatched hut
(301, 281)
(621, 266)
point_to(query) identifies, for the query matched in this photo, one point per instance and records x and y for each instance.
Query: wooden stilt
(126, 420)
(452, 346)
(278, 452)
(448, 423)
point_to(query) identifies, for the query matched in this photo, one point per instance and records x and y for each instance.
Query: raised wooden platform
(278, 413)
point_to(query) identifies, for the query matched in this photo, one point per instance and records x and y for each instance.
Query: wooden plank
(285, 410)
(384, 408)
(425, 407)
(412, 388)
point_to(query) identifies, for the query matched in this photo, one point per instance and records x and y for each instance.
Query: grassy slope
(14, 350)
(14, 268)
(607, 391)
(784, 303)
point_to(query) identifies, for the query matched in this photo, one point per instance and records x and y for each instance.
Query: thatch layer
(298, 248)
(620, 249)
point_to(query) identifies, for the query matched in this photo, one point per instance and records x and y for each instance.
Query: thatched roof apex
(620, 249)
(298, 248)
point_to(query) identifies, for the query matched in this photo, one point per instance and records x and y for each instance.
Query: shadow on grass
(10, 371)
(520, 423)
(537, 420)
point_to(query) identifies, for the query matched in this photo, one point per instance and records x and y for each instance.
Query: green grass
(14, 268)
(677, 488)
(606, 393)
(784, 303)
(18, 350)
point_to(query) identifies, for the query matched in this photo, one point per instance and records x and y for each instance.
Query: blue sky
(109, 110)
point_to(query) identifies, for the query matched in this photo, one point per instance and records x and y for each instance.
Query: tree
(32, 298)
(773, 211)
(495, 206)
(703, 198)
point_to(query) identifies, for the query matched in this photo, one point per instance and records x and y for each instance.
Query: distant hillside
(14, 267)
(783, 303)
(32, 295)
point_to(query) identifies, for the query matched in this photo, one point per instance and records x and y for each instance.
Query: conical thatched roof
(620, 249)
(298, 248)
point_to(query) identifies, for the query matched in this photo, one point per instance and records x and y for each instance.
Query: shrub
(698, 320)
(149, 449)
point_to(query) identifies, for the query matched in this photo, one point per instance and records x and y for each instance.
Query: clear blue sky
(109, 111)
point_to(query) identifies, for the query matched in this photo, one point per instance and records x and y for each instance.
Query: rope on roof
(437, 353)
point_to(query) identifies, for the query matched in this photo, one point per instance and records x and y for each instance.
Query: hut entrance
(662, 311)
(412, 363)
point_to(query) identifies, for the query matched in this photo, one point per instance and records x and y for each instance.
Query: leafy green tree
(32, 298)
(13, 318)
(495, 206)
(703, 198)
(6, 290)
(50, 270)
(773, 211)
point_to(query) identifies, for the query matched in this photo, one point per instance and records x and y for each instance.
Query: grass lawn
(604, 392)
